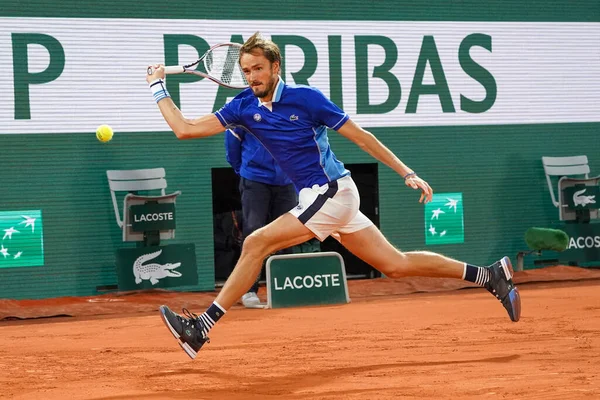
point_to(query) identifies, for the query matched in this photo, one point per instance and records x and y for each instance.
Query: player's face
(260, 73)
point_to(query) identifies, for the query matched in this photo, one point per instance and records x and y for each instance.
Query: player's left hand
(417, 183)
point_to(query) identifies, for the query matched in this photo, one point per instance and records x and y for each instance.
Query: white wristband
(159, 90)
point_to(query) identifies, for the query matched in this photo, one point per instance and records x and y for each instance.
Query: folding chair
(571, 171)
(133, 181)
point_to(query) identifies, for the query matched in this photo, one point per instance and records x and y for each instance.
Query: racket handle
(175, 69)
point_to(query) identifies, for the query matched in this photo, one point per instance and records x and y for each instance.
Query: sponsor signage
(152, 217)
(306, 279)
(444, 221)
(584, 242)
(396, 73)
(156, 267)
(22, 239)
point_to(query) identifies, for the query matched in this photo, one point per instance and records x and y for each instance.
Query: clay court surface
(389, 343)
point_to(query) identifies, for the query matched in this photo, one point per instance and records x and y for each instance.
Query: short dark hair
(269, 48)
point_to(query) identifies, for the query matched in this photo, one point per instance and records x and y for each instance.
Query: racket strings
(222, 63)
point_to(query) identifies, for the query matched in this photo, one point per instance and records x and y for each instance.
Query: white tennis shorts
(331, 209)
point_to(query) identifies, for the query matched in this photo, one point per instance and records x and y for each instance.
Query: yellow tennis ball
(104, 133)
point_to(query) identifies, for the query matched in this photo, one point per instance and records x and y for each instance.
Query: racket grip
(175, 69)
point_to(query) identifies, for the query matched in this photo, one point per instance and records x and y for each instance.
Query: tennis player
(291, 122)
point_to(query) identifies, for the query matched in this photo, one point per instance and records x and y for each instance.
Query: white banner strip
(542, 72)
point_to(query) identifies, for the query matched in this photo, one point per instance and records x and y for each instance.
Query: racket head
(222, 65)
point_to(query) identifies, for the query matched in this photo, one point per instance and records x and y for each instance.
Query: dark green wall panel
(497, 168)
(65, 177)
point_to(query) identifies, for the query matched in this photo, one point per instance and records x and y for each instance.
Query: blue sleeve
(229, 114)
(233, 149)
(326, 112)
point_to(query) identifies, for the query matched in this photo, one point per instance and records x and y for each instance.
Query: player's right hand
(154, 72)
(417, 183)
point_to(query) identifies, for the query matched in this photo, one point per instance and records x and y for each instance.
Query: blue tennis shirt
(293, 128)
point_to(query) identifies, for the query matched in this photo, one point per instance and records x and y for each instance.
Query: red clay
(383, 345)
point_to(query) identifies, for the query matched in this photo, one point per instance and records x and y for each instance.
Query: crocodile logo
(580, 200)
(153, 271)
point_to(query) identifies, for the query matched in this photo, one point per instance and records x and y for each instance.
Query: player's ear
(276, 67)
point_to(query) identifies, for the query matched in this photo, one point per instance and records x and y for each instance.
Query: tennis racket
(221, 63)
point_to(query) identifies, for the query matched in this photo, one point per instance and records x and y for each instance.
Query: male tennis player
(291, 122)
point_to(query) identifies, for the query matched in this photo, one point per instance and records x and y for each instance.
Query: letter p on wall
(22, 75)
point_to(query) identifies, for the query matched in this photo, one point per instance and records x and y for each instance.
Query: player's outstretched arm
(183, 128)
(369, 143)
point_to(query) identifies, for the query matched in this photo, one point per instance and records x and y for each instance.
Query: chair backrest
(134, 180)
(137, 179)
(564, 166)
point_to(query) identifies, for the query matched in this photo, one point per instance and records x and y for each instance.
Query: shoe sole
(513, 296)
(515, 303)
(186, 347)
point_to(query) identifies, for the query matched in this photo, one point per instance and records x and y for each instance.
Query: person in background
(266, 191)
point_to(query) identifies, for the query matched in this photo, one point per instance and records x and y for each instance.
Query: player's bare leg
(192, 330)
(285, 231)
(371, 246)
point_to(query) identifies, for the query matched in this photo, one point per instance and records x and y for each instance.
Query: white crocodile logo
(153, 272)
(583, 201)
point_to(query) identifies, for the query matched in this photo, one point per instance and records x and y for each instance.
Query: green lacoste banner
(156, 267)
(306, 279)
(444, 223)
(584, 243)
(582, 197)
(22, 240)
